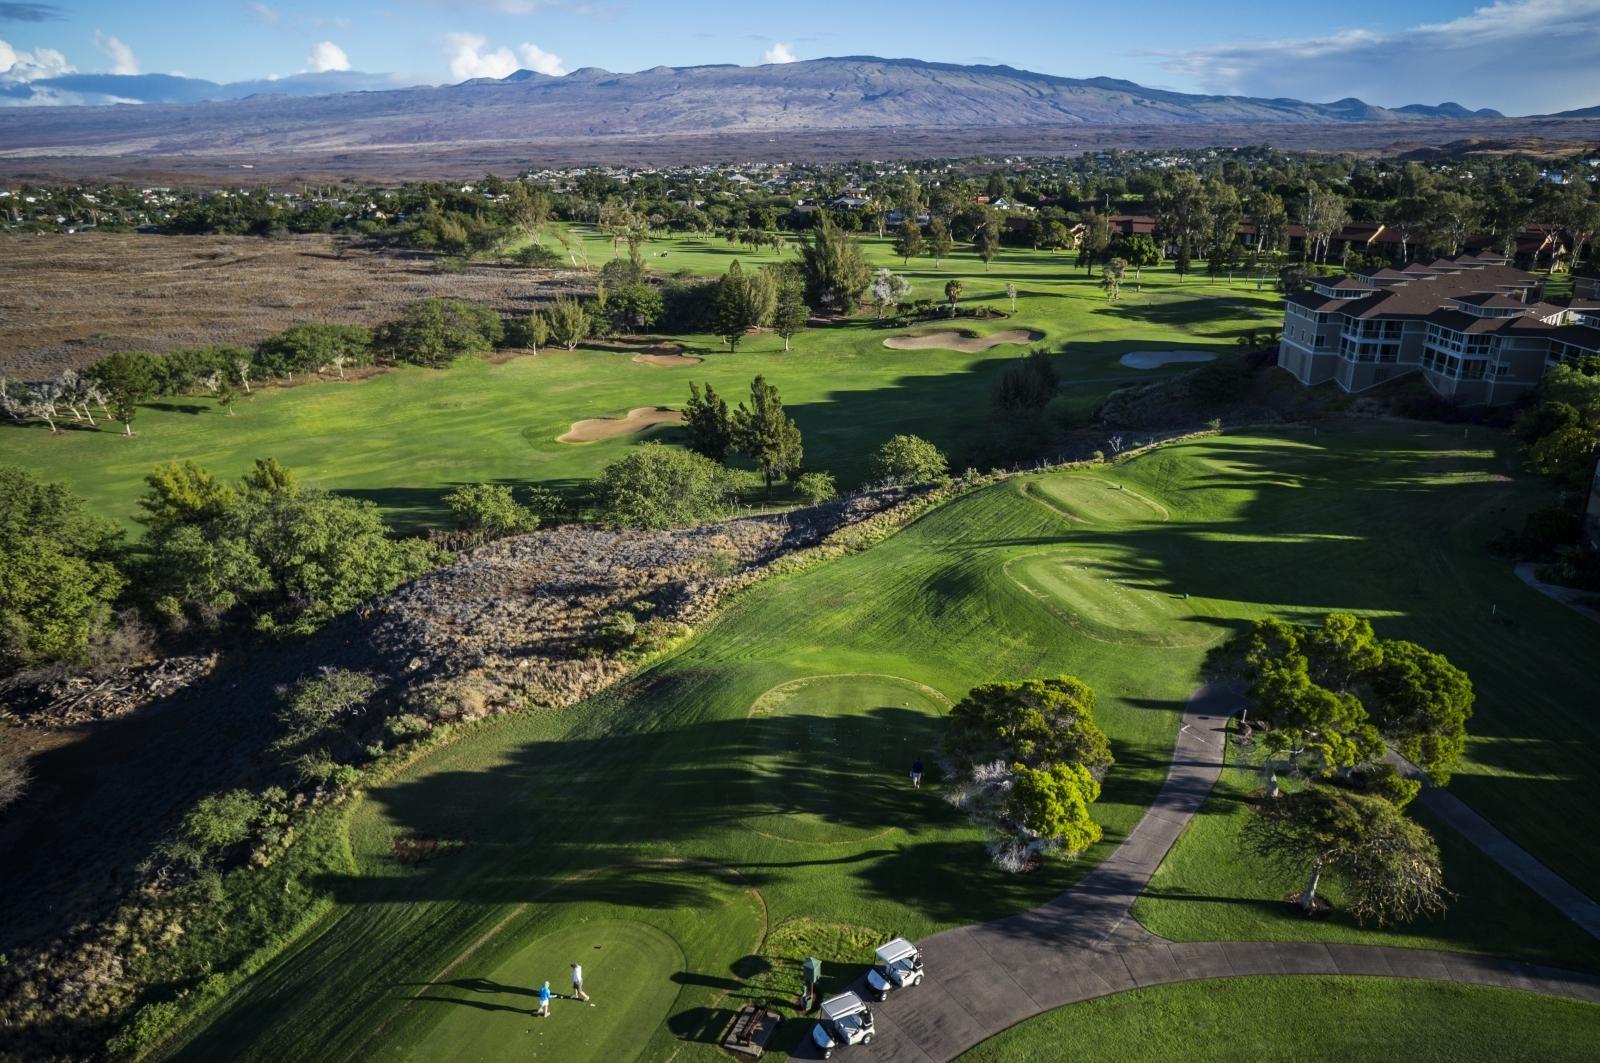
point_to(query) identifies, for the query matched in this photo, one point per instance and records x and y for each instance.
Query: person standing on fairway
(916, 774)
(577, 983)
(544, 1001)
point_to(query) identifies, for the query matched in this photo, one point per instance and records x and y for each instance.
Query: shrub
(537, 256)
(490, 511)
(657, 486)
(220, 821)
(815, 487)
(322, 704)
(320, 769)
(620, 273)
(58, 572)
(435, 332)
(14, 773)
(1027, 384)
(908, 459)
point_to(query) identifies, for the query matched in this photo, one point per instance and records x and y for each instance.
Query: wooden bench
(751, 1030)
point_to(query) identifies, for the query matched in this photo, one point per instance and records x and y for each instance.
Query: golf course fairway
(745, 800)
(868, 729)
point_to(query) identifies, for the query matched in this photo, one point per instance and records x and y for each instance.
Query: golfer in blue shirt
(544, 1001)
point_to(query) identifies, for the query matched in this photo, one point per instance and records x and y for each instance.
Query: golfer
(577, 983)
(916, 774)
(544, 1001)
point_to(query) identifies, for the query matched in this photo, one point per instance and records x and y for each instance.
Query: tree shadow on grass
(479, 1005)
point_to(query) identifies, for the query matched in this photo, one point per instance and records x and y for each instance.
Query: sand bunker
(1157, 359)
(608, 427)
(965, 342)
(667, 360)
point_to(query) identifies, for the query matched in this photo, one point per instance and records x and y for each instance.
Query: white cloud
(778, 53)
(264, 14)
(469, 58)
(540, 61)
(327, 56)
(123, 61)
(18, 66)
(1519, 56)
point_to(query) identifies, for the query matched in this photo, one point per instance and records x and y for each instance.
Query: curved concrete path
(1083, 944)
(1562, 895)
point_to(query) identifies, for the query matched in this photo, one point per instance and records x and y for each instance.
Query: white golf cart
(846, 1020)
(899, 966)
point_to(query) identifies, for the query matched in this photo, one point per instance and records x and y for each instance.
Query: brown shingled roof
(1348, 280)
(1499, 300)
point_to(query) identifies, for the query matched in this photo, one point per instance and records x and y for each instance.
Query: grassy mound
(1110, 604)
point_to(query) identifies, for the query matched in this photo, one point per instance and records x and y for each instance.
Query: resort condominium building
(1474, 327)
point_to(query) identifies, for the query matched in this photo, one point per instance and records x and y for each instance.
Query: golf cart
(899, 966)
(846, 1020)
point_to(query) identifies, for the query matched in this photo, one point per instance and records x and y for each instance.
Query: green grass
(1208, 889)
(642, 803)
(406, 437)
(1304, 1017)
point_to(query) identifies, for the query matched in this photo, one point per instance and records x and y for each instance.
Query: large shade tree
(1334, 692)
(1387, 865)
(1026, 760)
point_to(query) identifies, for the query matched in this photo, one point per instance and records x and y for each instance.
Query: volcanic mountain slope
(857, 92)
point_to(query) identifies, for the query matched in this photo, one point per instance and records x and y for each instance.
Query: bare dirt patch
(1157, 359)
(68, 300)
(639, 418)
(965, 342)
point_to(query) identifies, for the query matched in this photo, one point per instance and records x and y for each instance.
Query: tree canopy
(657, 486)
(834, 268)
(1027, 759)
(908, 459)
(490, 511)
(765, 434)
(435, 332)
(58, 572)
(282, 556)
(1388, 865)
(1334, 691)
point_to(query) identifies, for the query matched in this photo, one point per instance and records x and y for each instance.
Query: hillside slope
(855, 92)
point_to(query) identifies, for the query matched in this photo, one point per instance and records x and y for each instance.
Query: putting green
(1091, 499)
(628, 971)
(836, 752)
(1109, 602)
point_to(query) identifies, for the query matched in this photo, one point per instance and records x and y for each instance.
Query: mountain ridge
(841, 93)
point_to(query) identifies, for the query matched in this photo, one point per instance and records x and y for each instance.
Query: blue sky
(1521, 56)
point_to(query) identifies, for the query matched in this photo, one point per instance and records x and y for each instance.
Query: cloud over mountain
(1518, 55)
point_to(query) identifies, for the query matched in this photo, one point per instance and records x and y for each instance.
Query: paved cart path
(1083, 944)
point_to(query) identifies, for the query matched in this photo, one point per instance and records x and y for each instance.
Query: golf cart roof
(896, 950)
(842, 1006)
